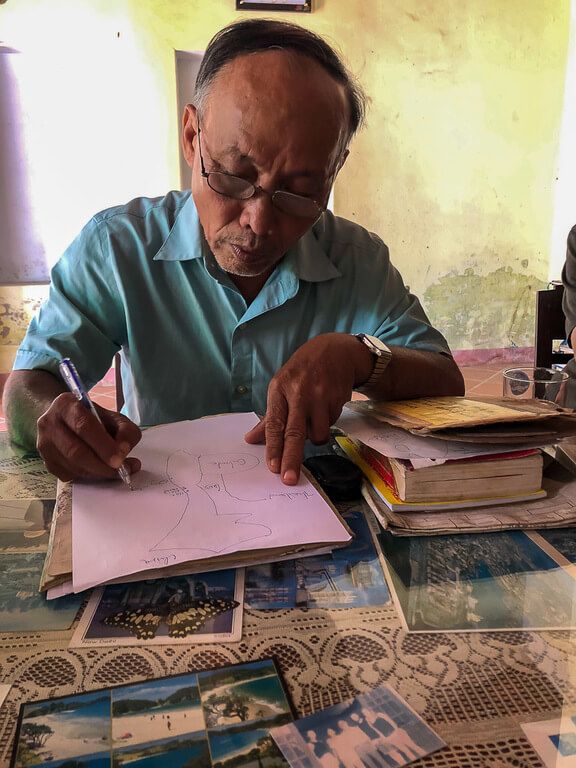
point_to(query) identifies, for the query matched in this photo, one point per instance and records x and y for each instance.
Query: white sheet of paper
(400, 444)
(202, 492)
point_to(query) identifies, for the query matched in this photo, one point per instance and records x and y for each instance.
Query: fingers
(257, 434)
(74, 444)
(286, 430)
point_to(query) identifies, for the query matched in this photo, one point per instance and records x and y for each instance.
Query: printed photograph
(22, 607)
(25, 524)
(174, 721)
(375, 730)
(186, 751)
(74, 730)
(563, 540)
(251, 693)
(245, 749)
(349, 577)
(492, 581)
(156, 710)
(205, 607)
(554, 740)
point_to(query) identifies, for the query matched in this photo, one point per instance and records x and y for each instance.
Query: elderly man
(245, 294)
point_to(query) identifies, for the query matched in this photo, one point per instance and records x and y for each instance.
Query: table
(474, 688)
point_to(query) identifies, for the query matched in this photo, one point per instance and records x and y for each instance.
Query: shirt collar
(185, 239)
(307, 259)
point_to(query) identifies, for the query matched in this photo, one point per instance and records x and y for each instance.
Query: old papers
(204, 500)
(495, 420)
(557, 510)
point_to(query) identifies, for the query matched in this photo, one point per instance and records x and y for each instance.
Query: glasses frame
(255, 188)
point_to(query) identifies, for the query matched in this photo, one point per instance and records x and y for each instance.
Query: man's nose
(258, 213)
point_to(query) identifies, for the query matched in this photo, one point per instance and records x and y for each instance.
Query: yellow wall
(455, 169)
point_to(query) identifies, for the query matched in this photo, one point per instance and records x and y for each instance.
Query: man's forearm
(415, 373)
(27, 395)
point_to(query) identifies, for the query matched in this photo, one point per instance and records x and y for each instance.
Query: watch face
(375, 344)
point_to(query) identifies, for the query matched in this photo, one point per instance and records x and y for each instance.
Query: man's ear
(189, 131)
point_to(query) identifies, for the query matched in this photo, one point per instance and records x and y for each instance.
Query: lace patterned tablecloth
(474, 689)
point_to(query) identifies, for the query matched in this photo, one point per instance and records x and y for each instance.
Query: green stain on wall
(484, 311)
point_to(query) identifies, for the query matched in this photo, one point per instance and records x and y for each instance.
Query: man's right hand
(42, 414)
(74, 445)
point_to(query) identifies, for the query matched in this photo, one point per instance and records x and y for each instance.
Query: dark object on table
(338, 477)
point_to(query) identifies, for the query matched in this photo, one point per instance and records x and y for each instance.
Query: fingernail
(290, 477)
(124, 448)
(115, 461)
(274, 465)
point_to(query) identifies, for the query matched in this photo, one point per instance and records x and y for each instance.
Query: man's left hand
(306, 397)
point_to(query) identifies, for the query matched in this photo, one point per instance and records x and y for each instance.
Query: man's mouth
(246, 253)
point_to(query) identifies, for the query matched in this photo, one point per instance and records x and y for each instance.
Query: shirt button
(241, 389)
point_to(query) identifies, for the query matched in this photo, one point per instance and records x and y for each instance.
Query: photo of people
(375, 730)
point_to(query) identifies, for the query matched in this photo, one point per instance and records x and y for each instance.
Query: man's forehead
(285, 81)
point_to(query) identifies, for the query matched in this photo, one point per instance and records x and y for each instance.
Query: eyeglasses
(240, 189)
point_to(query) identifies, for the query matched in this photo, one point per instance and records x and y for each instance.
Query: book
(476, 477)
(387, 494)
(556, 510)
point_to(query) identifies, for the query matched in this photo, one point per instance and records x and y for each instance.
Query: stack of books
(440, 465)
(456, 484)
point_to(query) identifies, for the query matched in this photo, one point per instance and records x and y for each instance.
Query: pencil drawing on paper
(226, 522)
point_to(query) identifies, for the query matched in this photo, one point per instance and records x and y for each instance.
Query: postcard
(554, 740)
(477, 582)
(348, 577)
(22, 607)
(198, 719)
(199, 608)
(375, 730)
(559, 543)
(25, 524)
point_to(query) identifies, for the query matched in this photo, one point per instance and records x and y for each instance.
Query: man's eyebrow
(233, 153)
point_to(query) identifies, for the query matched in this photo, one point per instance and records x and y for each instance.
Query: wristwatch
(382, 356)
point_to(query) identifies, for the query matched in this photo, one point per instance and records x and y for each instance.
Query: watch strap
(382, 356)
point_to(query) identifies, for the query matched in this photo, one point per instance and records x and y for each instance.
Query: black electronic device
(339, 478)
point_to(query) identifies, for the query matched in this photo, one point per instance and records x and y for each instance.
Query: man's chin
(236, 261)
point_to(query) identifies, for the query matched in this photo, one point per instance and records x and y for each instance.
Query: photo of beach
(186, 751)
(181, 722)
(249, 693)
(245, 748)
(156, 710)
(61, 729)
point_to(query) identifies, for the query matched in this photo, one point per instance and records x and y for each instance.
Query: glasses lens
(296, 205)
(232, 186)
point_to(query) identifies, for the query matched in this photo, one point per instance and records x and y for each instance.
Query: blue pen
(74, 384)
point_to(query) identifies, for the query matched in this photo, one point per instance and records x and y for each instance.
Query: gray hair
(254, 35)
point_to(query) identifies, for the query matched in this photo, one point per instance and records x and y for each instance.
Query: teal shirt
(141, 279)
